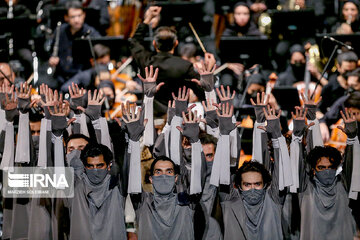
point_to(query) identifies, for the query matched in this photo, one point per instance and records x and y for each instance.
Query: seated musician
(243, 24)
(295, 72)
(349, 22)
(74, 28)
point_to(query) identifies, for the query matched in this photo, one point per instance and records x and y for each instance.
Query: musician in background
(74, 28)
(351, 100)
(243, 24)
(338, 85)
(100, 5)
(295, 72)
(349, 23)
(86, 78)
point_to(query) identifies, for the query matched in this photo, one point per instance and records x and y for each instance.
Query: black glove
(47, 113)
(93, 112)
(77, 102)
(191, 131)
(150, 89)
(230, 101)
(135, 130)
(24, 105)
(180, 106)
(311, 112)
(226, 125)
(170, 114)
(351, 129)
(299, 127)
(273, 127)
(212, 119)
(259, 113)
(11, 114)
(58, 124)
(207, 82)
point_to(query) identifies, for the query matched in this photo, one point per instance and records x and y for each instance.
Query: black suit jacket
(173, 71)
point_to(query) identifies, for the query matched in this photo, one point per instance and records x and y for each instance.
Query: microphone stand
(93, 55)
(97, 70)
(325, 68)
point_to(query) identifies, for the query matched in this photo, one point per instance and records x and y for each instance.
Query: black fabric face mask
(298, 69)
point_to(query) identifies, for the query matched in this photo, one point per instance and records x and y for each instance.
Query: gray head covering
(297, 48)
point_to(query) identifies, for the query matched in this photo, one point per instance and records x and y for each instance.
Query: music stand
(286, 97)
(246, 50)
(179, 14)
(92, 16)
(4, 48)
(292, 24)
(118, 47)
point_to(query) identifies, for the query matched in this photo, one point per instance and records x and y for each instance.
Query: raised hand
(273, 122)
(311, 105)
(10, 103)
(134, 124)
(24, 91)
(150, 87)
(52, 98)
(350, 123)
(259, 106)
(206, 71)
(58, 117)
(211, 117)
(10, 107)
(152, 16)
(225, 113)
(24, 96)
(181, 101)
(60, 109)
(225, 96)
(95, 101)
(5, 90)
(299, 123)
(191, 126)
(76, 96)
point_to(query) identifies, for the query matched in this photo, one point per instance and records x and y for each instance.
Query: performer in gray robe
(97, 209)
(325, 213)
(166, 213)
(255, 213)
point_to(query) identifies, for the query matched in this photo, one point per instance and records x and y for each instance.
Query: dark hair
(73, 4)
(329, 152)
(35, 116)
(252, 166)
(163, 158)
(188, 50)
(353, 100)
(76, 136)
(207, 139)
(101, 50)
(347, 57)
(165, 38)
(355, 73)
(238, 4)
(94, 150)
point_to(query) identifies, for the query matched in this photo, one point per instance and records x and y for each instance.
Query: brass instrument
(264, 23)
(314, 57)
